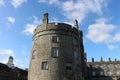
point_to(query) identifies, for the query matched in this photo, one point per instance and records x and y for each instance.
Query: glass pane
(44, 65)
(68, 66)
(54, 39)
(54, 52)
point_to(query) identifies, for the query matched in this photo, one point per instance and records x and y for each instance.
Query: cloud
(19, 63)
(2, 3)
(7, 52)
(49, 1)
(116, 38)
(101, 32)
(11, 19)
(25, 51)
(79, 9)
(4, 54)
(112, 47)
(5, 60)
(29, 28)
(17, 3)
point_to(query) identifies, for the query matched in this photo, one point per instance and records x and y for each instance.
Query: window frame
(101, 73)
(54, 52)
(93, 73)
(55, 39)
(44, 65)
(68, 66)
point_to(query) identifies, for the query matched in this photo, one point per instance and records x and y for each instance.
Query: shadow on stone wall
(97, 74)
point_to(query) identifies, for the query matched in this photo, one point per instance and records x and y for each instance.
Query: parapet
(47, 26)
(102, 61)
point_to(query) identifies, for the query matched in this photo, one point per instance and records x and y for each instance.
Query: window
(101, 73)
(44, 65)
(18, 75)
(68, 66)
(76, 55)
(54, 52)
(93, 73)
(75, 42)
(54, 39)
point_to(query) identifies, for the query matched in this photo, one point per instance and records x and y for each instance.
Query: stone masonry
(57, 52)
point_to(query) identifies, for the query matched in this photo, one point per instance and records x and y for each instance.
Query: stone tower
(57, 52)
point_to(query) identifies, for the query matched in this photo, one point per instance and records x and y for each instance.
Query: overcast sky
(98, 19)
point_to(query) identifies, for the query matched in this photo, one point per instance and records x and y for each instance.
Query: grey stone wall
(109, 70)
(63, 67)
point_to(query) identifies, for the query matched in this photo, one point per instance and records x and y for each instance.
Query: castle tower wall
(56, 52)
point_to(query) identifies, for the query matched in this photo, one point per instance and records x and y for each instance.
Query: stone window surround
(54, 52)
(55, 39)
(68, 66)
(44, 65)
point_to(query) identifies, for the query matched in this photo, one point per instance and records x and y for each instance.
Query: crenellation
(56, 57)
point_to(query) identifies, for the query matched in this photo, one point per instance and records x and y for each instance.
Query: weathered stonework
(104, 70)
(67, 65)
(58, 54)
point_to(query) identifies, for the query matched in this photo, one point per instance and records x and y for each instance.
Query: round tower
(56, 52)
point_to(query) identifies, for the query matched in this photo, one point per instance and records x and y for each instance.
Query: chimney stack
(76, 24)
(109, 59)
(45, 18)
(92, 59)
(101, 59)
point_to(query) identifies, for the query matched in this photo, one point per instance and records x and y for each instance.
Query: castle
(10, 72)
(58, 54)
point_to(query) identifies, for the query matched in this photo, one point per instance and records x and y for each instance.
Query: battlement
(58, 49)
(48, 26)
(53, 26)
(103, 61)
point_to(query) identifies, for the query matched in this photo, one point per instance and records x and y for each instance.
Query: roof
(10, 57)
(3, 67)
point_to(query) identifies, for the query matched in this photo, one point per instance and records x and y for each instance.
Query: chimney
(101, 59)
(76, 24)
(45, 18)
(115, 60)
(92, 59)
(109, 59)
